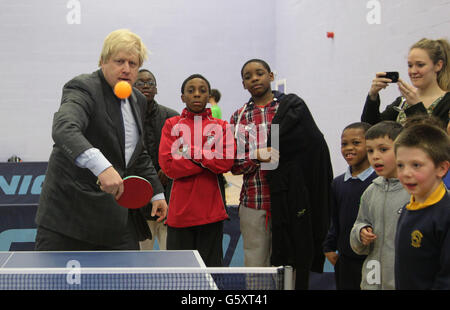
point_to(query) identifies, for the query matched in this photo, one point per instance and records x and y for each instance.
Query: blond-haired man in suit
(98, 141)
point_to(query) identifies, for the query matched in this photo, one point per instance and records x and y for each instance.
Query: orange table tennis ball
(122, 89)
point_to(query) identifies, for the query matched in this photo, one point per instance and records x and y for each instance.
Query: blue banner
(20, 187)
(21, 183)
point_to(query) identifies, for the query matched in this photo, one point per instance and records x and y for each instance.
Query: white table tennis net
(227, 278)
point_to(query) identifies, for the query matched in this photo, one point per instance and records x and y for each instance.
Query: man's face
(122, 66)
(146, 84)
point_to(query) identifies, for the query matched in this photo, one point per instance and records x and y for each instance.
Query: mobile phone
(392, 76)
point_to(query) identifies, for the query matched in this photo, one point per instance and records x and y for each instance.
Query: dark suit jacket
(71, 202)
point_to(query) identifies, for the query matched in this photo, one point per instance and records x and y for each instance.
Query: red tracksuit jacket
(194, 149)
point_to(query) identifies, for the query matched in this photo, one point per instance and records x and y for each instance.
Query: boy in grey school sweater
(373, 233)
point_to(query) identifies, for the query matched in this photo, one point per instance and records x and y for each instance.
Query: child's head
(215, 96)
(353, 146)
(423, 155)
(424, 119)
(146, 83)
(256, 77)
(195, 93)
(380, 147)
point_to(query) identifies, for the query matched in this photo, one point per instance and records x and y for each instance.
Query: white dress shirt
(96, 162)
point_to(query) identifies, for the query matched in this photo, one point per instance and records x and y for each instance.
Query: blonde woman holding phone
(429, 73)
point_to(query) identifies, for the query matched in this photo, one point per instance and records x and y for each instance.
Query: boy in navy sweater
(346, 194)
(422, 243)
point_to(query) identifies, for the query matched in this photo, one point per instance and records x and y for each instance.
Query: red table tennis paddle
(137, 192)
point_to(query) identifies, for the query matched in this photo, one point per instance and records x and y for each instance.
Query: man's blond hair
(123, 40)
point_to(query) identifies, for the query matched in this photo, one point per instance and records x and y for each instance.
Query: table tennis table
(129, 270)
(98, 270)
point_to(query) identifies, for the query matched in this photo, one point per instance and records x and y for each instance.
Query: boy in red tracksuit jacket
(195, 148)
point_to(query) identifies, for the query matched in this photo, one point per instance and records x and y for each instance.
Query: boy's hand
(268, 154)
(159, 209)
(332, 257)
(367, 236)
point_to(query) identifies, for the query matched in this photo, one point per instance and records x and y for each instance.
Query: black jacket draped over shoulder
(300, 189)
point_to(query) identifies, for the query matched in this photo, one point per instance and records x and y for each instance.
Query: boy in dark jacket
(155, 116)
(422, 243)
(346, 195)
